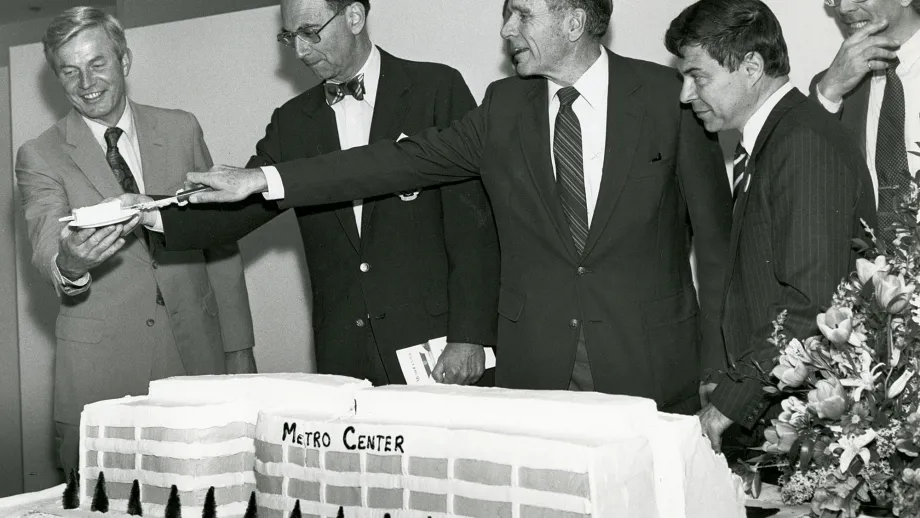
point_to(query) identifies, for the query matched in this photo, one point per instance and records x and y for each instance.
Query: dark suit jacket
(432, 262)
(791, 241)
(631, 293)
(855, 107)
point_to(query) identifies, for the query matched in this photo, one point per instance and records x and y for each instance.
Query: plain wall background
(230, 71)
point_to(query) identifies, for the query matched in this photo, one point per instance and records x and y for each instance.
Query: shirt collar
(592, 85)
(753, 126)
(371, 71)
(125, 123)
(909, 52)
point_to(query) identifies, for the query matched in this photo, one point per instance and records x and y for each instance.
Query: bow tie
(354, 87)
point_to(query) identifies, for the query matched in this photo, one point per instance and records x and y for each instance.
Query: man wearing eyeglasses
(391, 271)
(873, 84)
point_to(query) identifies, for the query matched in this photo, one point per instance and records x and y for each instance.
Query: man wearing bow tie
(391, 271)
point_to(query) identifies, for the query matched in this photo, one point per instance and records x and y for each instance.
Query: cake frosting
(93, 214)
(423, 451)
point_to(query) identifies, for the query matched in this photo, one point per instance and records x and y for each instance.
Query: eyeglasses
(289, 38)
(835, 3)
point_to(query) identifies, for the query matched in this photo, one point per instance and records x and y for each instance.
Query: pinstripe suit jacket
(791, 241)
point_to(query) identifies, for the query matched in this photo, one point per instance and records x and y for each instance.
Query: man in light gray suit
(130, 311)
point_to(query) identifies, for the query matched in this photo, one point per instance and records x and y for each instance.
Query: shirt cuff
(69, 287)
(830, 106)
(273, 180)
(157, 225)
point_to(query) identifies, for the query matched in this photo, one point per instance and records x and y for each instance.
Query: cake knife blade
(181, 196)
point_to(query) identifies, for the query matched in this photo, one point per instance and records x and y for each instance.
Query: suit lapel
(624, 120)
(154, 158)
(790, 100)
(390, 108)
(533, 127)
(90, 158)
(321, 135)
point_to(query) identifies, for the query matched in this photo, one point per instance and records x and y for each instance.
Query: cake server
(180, 197)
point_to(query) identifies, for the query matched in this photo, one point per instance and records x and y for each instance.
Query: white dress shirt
(909, 72)
(353, 121)
(753, 126)
(591, 109)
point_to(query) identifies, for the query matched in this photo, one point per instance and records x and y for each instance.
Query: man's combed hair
(335, 5)
(728, 30)
(598, 11)
(65, 26)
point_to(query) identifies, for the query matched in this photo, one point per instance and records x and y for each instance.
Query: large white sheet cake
(414, 452)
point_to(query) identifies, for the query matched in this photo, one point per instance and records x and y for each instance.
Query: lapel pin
(409, 195)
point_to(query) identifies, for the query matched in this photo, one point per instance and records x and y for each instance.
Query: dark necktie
(124, 176)
(117, 162)
(891, 155)
(354, 87)
(570, 173)
(738, 173)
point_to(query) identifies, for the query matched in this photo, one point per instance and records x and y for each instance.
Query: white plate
(126, 214)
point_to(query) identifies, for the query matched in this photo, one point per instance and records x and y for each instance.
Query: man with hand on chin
(130, 311)
(800, 191)
(598, 179)
(873, 86)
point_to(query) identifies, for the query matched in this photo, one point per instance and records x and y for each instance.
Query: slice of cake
(94, 214)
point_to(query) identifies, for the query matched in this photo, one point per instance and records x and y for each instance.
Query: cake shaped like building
(322, 443)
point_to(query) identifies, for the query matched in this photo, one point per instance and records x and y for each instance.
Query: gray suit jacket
(104, 344)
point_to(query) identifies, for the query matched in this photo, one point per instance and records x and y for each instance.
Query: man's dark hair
(728, 30)
(335, 5)
(598, 14)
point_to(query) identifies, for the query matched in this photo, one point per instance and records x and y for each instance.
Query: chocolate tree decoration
(341, 513)
(210, 507)
(173, 505)
(295, 513)
(72, 491)
(134, 500)
(251, 510)
(100, 500)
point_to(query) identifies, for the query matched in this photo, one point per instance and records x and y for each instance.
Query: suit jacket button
(154, 265)
(581, 271)
(573, 323)
(150, 322)
(365, 267)
(359, 322)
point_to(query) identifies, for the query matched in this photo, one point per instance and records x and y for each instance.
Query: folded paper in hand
(417, 362)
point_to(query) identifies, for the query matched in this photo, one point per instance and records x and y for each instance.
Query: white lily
(853, 447)
(866, 377)
(899, 384)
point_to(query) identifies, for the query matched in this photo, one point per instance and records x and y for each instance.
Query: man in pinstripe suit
(801, 187)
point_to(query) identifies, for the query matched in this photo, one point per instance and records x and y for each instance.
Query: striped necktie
(738, 172)
(570, 174)
(891, 155)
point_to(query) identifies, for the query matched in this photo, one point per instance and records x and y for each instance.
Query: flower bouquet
(847, 438)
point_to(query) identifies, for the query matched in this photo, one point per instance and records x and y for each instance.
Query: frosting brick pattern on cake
(413, 452)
